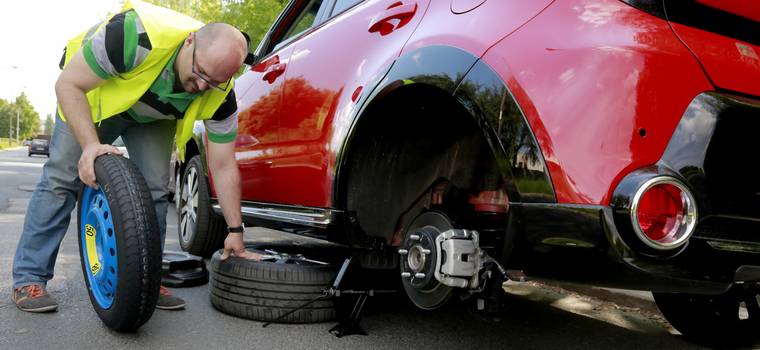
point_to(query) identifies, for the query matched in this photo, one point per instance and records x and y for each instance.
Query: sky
(32, 36)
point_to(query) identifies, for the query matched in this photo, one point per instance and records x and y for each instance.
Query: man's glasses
(208, 81)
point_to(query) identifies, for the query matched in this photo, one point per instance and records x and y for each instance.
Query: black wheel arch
(453, 83)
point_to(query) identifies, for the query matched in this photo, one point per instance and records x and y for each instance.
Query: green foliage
(6, 143)
(28, 118)
(251, 16)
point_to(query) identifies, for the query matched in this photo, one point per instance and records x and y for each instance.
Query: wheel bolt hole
(105, 215)
(642, 132)
(110, 250)
(110, 233)
(110, 268)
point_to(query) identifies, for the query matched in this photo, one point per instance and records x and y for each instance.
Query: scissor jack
(348, 324)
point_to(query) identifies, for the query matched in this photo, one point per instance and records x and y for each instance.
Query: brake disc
(418, 259)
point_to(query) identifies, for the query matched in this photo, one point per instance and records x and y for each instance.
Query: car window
(39, 142)
(303, 22)
(342, 5)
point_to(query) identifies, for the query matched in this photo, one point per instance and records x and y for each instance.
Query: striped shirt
(120, 46)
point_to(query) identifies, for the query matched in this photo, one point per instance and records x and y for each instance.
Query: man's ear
(247, 40)
(189, 39)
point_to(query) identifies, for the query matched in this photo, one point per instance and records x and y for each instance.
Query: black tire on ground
(265, 290)
(137, 242)
(206, 234)
(713, 320)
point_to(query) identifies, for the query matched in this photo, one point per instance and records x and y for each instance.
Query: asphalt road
(538, 317)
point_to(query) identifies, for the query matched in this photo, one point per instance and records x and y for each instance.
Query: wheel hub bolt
(406, 274)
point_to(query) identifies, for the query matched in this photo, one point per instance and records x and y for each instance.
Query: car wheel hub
(417, 258)
(99, 244)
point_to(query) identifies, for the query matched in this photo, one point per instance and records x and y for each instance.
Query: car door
(259, 96)
(351, 44)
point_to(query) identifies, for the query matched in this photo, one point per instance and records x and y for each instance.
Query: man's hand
(233, 244)
(86, 163)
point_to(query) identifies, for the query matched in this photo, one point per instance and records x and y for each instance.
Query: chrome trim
(307, 216)
(690, 218)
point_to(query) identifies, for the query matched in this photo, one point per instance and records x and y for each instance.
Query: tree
(49, 124)
(6, 113)
(252, 16)
(29, 119)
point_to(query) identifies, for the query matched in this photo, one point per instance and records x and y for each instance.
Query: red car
(605, 142)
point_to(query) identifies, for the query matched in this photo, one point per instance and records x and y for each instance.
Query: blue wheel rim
(98, 244)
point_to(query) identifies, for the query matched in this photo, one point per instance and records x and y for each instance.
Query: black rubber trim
(653, 7)
(693, 14)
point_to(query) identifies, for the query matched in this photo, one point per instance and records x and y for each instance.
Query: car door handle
(274, 71)
(245, 141)
(263, 66)
(402, 13)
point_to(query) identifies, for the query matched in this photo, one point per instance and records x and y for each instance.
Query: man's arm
(71, 89)
(223, 168)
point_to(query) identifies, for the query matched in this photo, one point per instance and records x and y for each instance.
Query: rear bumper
(582, 244)
(712, 151)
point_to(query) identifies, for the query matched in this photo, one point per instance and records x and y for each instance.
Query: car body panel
(589, 91)
(259, 109)
(746, 8)
(476, 30)
(316, 98)
(575, 99)
(725, 38)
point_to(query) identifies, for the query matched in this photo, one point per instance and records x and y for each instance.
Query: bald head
(210, 56)
(223, 46)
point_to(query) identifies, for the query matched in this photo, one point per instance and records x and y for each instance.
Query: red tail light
(664, 213)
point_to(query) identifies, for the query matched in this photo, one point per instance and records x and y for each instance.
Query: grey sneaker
(166, 301)
(34, 298)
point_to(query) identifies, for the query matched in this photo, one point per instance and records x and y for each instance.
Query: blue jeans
(49, 211)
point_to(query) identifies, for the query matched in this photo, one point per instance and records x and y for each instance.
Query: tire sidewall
(703, 321)
(292, 284)
(204, 230)
(122, 307)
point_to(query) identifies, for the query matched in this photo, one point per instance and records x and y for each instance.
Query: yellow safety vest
(167, 30)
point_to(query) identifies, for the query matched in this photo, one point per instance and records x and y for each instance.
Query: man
(146, 74)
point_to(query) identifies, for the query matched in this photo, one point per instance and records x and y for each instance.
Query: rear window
(39, 142)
